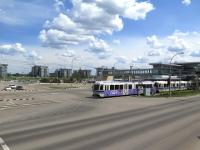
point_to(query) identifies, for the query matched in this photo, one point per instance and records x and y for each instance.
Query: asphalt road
(170, 126)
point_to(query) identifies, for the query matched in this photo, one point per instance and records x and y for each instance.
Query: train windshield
(96, 87)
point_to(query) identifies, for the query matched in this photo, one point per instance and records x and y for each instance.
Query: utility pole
(131, 73)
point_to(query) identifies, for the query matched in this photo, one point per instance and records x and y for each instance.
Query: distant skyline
(96, 33)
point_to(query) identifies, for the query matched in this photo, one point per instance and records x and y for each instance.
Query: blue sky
(97, 33)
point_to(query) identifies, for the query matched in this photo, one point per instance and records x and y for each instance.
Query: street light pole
(114, 70)
(72, 63)
(102, 75)
(131, 73)
(170, 71)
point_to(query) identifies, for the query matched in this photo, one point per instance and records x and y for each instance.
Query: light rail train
(120, 88)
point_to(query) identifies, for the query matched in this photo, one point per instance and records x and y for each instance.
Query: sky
(92, 33)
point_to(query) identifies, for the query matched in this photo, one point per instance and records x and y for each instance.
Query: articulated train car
(108, 89)
(120, 88)
(115, 88)
(175, 85)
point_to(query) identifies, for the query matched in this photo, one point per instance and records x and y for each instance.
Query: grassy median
(179, 93)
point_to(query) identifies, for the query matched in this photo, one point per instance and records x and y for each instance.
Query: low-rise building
(158, 71)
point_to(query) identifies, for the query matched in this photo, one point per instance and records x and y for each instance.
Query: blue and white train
(115, 88)
(175, 85)
(120, 88)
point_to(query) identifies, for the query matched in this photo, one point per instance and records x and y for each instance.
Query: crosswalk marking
(3, 144)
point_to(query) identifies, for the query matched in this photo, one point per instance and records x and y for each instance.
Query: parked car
(12, 86)
(7, 89)
(19, 87)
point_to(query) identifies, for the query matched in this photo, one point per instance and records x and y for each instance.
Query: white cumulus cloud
(18, 50)
(186, 2)
(12, 49)
(121, 59)
(140, 60)
(154, 42)
(153, 53)
(187, 42)
(88, 19)
(100, 48)
(177, 44)
(59, 5)
(69, 53)
(60, 39)
(131, 9)
(33, 55)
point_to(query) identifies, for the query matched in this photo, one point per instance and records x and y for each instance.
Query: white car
(7, 88)
(12, 86)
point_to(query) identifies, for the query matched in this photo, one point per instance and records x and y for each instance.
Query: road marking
(3, 144)
(11, 105)
(26, 104)
(5, 106)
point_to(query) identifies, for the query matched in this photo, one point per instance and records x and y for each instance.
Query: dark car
(19, 87)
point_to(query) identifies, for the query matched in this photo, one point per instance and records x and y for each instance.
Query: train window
(121, 87)
(101, 87)
(130, 86)
(96, 87)
(116, 87)
(112, 87)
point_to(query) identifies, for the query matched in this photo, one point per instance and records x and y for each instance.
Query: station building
(158, 71)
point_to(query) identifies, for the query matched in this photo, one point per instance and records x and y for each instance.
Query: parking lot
(56, 99)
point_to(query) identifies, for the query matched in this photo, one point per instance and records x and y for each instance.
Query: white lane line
(5, 106)
(3, 144)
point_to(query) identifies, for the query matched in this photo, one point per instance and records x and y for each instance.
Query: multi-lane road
(172, 125)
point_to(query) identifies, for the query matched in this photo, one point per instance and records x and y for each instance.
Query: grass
(179, 93)
(62, 87)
